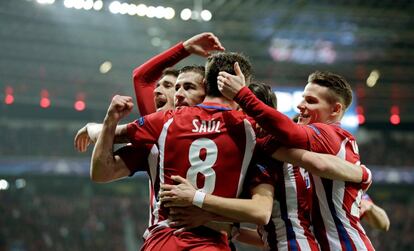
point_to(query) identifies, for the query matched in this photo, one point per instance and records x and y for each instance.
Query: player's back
(211, 146)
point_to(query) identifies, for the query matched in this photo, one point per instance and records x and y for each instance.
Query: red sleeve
(135, 158)
(274, 122)
(147, 129)
(146, 76)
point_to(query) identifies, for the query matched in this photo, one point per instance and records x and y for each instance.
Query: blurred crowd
(46, 215)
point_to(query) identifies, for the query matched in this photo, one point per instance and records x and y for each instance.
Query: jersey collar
(212, 105)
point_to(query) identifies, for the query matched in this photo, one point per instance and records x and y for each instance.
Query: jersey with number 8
(209, 144)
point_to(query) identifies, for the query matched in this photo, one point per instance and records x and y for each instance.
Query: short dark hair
(340, 89)
(194, 68)
(224, 61)
(170, 71)
(264, 92)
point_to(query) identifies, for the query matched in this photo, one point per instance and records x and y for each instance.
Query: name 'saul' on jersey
(206, 126)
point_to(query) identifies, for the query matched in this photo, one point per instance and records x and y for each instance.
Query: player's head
(224, 61)
(164, 91)
(189, 87)
(264, 92)
(325, 98)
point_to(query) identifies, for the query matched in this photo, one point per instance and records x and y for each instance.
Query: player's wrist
(198, 198)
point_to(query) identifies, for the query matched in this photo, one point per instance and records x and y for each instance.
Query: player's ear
(337, 109)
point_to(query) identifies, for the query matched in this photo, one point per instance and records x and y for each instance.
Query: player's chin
(303, 120)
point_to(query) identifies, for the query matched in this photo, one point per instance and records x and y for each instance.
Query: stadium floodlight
(45, 1)
(186, 14)
(150, 11)
(141, 10)
(98, 5)
(169, 13)
(78, 4)
(88, 4)
(105, 67)
(4, 185)
(68, 3)
(159, 12)
(115, 7)
(124, 8)
(206, 15)
(132, 9)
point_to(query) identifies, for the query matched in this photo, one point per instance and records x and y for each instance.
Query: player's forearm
(323, 165)
(271, 120)
(377, 218)
(103, 161)
(94, 130)
(256, 210)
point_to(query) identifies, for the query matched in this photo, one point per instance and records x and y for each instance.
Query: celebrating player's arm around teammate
(335, 208)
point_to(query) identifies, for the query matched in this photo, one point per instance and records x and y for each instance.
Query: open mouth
(160, 101)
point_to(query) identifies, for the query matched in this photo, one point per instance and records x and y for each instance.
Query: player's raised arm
(274, 122)
(324, 165)
(103, 160)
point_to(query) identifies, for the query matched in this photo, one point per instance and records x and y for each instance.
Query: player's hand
(228, 84)
(120, 107)
(82, 139)
(180, 195)
(366, 206)
(202, 44)
(187, 217)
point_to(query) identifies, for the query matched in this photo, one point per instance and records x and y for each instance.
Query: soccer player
(335, 203)
(211, 144)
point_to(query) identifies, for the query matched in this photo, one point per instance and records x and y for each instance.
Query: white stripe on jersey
(292, 207)
(338, 192)
(248, 152)
(153, 164)
(161, 145)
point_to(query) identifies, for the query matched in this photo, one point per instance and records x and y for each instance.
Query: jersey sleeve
(274, 122)
(146, 76)
(134, 157)
(146, 129)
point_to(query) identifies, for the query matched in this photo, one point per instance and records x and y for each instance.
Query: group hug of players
(217, 153)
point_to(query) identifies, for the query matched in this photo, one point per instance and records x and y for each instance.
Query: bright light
(141, 10)
(395, 119)
(361, 119)
(88, 4)
(185, 14)
(132, 9)
(284, 101)
(159, 12)
(151, 11)
(9, 99)
(78, 4)
(79, 105)
(115, 7)
(45, 1)
(68, 3)
(105, 67)
(4, 185)
(373, 78)
(98, 5)
(44, 102)
(20, 183)
(206, 15)
(124, 8)
(169, 13)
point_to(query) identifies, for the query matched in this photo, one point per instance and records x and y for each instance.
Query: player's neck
(222, 101)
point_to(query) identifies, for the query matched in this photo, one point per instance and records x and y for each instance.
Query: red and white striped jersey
(335, 204)
(290, 225)
(209, 144)
(335, 207)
